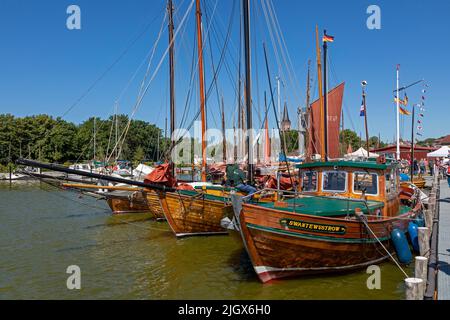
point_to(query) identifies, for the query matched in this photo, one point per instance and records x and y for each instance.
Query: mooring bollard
(414, 289)
(432, 202)
(421, 270)
(428, 216)
(424, 241)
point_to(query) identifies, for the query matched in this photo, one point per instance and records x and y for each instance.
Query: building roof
(346, 164)
(285, 114)
(403, 147)
(444, 141)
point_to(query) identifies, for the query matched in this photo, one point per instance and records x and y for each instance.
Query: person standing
(448, 174)
(431, 166)
(416, 167)
(422, 166)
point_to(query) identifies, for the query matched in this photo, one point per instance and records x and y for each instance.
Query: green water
(43, 231)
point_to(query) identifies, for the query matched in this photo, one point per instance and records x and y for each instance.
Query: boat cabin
(372, 181)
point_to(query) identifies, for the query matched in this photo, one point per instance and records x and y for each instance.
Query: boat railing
(304, 194)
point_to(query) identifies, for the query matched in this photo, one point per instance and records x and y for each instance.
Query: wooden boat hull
(154, 204)
(127, 203)
(419, 182)
(193, 215)
(136, 202)
(283, 244)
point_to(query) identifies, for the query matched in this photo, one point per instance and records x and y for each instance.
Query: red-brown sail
(335, 97)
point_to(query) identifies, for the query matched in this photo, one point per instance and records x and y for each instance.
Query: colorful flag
(327, 38)
(419, 134)
(421, 115)
(362, 111)
(404, 112)
(403, 102)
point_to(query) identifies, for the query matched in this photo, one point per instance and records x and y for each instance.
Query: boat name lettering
(315, 227)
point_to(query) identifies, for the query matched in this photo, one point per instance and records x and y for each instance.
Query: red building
(405, 151)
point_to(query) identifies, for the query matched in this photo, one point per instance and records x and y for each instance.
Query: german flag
(327, 38)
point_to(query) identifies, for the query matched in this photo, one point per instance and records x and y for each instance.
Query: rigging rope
(145, 89)
(362, 219)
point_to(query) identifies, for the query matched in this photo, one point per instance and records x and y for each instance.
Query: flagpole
(398, 114)
(325, 97)
(412, 144)
(364, 83)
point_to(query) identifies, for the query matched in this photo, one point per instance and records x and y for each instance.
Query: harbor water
(44, 230)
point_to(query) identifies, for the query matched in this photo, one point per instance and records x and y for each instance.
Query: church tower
(285, 122)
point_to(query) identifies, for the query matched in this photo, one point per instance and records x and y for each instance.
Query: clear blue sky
(45, 68)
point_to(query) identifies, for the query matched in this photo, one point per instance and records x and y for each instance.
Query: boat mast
(224, 141)
(201, 76)
(325, 98)
(365, 117)
(398, 114)
(95, 132)
(412, 143)
(172, 78)
(319, 76)
(248, 95)
(308, 113)
(279, 98)
(116, 124)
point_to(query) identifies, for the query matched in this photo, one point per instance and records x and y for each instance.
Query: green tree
(139, 155)
(349, 137)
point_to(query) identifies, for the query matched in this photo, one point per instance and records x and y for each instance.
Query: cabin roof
(346, 164)
(325, 207)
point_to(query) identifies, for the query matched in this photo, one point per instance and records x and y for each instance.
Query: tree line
(44, 138)
(48, 139)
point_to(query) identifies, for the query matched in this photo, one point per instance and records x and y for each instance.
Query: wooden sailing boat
(190, 212)
(143, 200)
(342, 218)
(318, 231)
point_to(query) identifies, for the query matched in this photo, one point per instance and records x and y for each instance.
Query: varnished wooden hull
(127, 203)
(279, 251)
(194, 215)
(136, 202)
(154, 204)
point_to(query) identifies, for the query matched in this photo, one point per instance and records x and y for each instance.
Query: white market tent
(442, 152)
(361, 153)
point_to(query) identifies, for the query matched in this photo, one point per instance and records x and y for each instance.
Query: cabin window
(364, 181)
(334, 181)
(309, 181)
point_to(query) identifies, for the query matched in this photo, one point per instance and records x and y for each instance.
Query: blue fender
(401, 246)
(414, 235)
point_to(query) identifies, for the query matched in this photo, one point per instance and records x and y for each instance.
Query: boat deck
(322, 206)
(444, 243)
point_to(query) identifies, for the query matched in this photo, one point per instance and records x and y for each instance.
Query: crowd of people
(428, 166)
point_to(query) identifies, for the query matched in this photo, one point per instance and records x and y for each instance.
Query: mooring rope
(361, 217)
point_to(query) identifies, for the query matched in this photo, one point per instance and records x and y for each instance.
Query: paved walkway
(443, 284)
